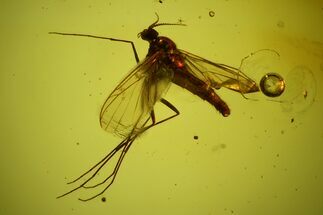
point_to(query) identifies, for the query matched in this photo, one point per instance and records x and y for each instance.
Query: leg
(153, 118)
(124, 147)
(248, 56)
(105, 38)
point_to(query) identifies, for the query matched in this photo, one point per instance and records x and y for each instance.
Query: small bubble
(282, 132)
(277, 155)
(100, 78)
(272, 85)
(200, 17)
(84, 73)
(211, 13)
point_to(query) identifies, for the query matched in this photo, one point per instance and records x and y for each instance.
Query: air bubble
(272, 85)
(211, 13)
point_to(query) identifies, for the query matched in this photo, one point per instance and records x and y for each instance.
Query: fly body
(129, 109)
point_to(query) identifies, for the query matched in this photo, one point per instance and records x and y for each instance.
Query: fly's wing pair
(218, 75)
(128, 108)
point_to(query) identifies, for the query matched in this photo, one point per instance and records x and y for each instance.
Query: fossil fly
(129, 109)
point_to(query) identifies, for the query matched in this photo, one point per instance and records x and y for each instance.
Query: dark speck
(305, 94)
(292, 120)
(196, 137)
(103, 199)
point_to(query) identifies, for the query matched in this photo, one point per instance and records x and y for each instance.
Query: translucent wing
(128, 107)
(219, 75)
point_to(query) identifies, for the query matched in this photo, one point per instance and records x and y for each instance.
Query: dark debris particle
(305, 94)
(292, 120)
(103, 199)
(196, 137)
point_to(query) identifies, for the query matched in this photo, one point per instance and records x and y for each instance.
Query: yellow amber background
(256, 161)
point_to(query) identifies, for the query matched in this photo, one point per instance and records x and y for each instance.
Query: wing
(128, 107)
(219, 75)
